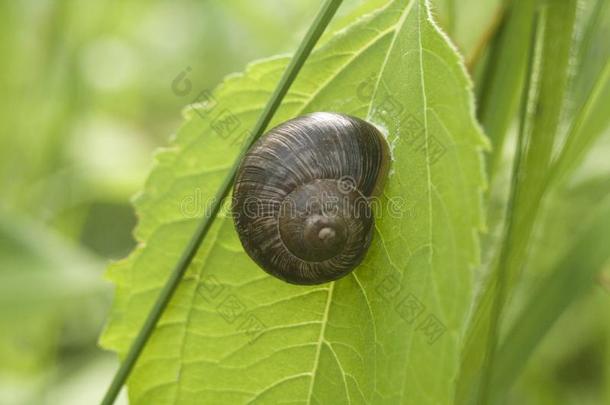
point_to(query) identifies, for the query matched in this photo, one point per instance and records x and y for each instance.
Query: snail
(301, 199)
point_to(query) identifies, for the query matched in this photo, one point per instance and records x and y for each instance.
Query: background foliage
(88, 96)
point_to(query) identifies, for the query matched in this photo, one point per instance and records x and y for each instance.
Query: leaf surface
(390, 332)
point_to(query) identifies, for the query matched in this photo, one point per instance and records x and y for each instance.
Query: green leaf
(389, 332)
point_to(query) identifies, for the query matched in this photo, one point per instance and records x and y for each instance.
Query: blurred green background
(87, 96)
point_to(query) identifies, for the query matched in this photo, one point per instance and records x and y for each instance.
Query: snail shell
(301, 200)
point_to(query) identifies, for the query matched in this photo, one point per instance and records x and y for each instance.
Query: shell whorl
(301, 196)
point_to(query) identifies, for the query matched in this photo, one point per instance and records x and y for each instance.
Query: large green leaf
(389, 333)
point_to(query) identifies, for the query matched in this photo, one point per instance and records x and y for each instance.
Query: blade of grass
(593, 51)
(573, 277)
(318, 26)
(501, 272)
(590, 123)
(540, 124)
(469, 388)
(555, 71)
(504, 76)
(544, 118)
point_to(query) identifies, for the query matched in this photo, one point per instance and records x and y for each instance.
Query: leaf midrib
(396, 28)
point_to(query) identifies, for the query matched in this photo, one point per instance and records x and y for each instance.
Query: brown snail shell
(301, 200)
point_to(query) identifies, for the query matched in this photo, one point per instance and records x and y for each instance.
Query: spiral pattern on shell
(301, 197)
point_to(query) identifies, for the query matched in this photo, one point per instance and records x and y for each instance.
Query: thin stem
(502, 266)
(319, 25)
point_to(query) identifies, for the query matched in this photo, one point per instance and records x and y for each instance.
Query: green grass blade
(539, 128)
(471, 385)
(540, 122)
(499, 287)
(593, 51)
(555, 71)
(573, 277)
(317, 28)
(590, 123)
(504, 76)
